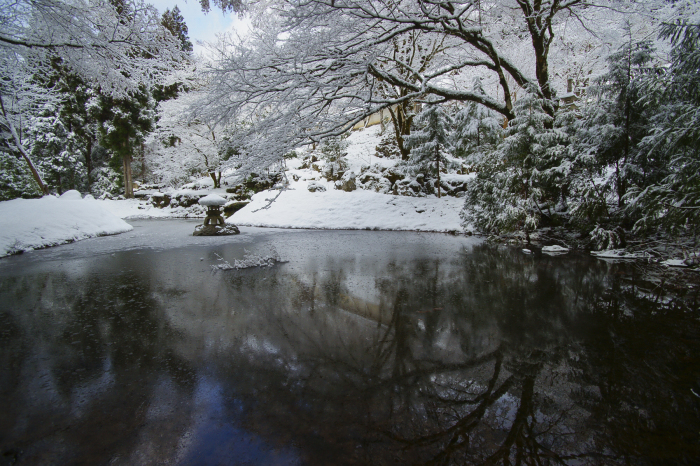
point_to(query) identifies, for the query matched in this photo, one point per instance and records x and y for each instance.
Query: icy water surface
(362, 348)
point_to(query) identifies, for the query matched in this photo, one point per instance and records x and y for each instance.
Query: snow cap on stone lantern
(212, 200)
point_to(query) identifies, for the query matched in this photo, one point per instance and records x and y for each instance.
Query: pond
(361, 347)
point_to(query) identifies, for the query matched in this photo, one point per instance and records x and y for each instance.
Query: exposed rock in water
(215, 230)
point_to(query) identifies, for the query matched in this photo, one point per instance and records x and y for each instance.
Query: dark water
(363, 348)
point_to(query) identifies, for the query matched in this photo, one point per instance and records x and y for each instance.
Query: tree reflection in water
(483, 357)
(493, 358)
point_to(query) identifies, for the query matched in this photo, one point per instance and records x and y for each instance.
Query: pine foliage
(521, 181)
(173, 21)
(431, 142)
(612, 128)
(671, 200)
(477, 128)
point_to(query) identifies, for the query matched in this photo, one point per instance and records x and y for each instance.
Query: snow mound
(71, 195)
(356, 210)
(27, 224)
(212, 199)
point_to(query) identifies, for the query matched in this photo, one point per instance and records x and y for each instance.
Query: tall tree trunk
(128, 185)
(539, 22)
(216, 176)
(402, 128)
(18, 142)
(88, 163)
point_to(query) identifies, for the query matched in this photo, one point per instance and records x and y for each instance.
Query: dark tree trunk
(128, 184)
(88, 163)
(216, 176)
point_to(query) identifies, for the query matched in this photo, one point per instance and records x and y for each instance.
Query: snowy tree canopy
(97, 39)
(118, 47)
(315, 68)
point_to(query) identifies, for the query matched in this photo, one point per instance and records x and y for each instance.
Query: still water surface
(361, 348)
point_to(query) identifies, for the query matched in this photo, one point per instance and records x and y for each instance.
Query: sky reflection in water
(363, 348)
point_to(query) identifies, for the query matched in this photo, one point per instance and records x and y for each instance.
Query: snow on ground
(362, 147)
(333, 209)
(359, 209)
(27, 224)
(329, 209)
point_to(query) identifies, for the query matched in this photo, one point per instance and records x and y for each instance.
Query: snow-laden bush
(607, 239)
(106, 183)
(15, 179)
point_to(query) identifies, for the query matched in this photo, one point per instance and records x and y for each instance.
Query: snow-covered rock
(619, 254)
(315, 186)
(554, 250)
(674, 263)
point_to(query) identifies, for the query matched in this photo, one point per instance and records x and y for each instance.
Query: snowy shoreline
(28, 224)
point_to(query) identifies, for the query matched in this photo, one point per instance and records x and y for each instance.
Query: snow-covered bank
(27, 224)
(299, 208)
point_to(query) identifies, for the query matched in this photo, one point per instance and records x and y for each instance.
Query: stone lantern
(214, 224)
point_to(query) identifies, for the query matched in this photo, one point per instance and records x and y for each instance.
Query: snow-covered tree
(115, 46)
(413, 52)
(57, 151)
(173, 21)
(521, 181)
(109, 43)
(334, 151)
(670, 197)
(180, 146)
(617, 120)
(431, 142)
(315, 68)
(477, 128)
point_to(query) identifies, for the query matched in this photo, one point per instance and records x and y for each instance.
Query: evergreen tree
(57, 152)
(334, 151)
(124, 124)
(613, 126)
(173, 21)
(523, 180)
(75, 97)
(477, 128)
(431, 142)
(15, 181)
(671, 197)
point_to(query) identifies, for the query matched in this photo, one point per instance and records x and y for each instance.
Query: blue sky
(201, 26)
